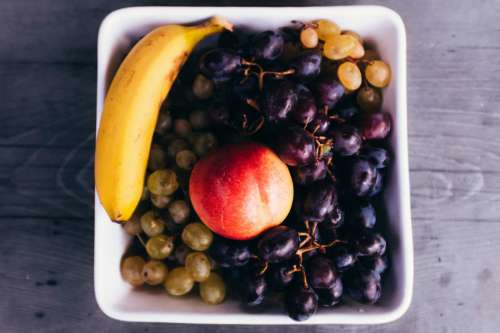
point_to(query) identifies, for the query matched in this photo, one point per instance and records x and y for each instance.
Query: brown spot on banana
(178, 61)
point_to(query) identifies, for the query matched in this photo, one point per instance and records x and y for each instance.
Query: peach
(241, 190)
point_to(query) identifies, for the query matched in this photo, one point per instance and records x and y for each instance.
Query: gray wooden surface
(47, 107)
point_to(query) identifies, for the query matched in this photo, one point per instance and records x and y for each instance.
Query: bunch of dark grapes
(313, 93)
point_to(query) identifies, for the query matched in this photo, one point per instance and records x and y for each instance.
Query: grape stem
(336, 119)
(253, 103)
(260, 73)
(254, 127)
(295, 268)
(304, 277)
(305, 241)
(307, 245)
(264, 268)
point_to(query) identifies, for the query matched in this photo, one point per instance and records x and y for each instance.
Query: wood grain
(47, 116)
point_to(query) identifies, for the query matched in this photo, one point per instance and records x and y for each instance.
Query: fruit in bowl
(305, 98)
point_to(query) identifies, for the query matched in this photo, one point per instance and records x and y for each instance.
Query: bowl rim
(403, 167)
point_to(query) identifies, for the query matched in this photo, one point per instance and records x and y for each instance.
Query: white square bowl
(379, 25)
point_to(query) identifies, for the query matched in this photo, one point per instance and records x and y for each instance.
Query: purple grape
(328, 91)
(376, 264)
(279, 277)
(328, 228)
(331, 296)
(379, 182)
(375, 125)
(280, 97)
(308, 174)
(307, 64)
(335, 219)
(295, 146)
(278, 244)
(363, 215)
(320, 124)
(343, 256)
(327, 234)
(363, 177)
(370, 244)
(321, 272)
(347, 141)
(301, 303)
(245, 87)
(219, 63)
(348, 112)
(305, 110)
(320, 200)
(363, 286)
(378, 156)
(252, 289)
(267, 45)
(228, 253)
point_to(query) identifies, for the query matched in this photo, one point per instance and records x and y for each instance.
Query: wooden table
(47, 119)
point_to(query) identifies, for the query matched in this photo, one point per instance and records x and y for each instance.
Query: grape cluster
(170, 247)
(313, 93)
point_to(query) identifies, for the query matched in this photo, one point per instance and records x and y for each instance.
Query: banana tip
(221, 21)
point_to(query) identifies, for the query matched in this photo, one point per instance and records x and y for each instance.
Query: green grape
(133, 226)
(185, 159)
(198, 265)
(176, 146)
(213, 289)
(182, 127)
(358, 51)
(326, 29)
(162, 182)
(378, 73)
(160, 201)
(309, 38)
(178, 282)
(369, 99)
(204, 143)
(131, 270)
(353, 34)
(198, 119)
(157, 158)
(179, 211)
(160, 246)
(339, 47)
(154, 272)
(203, 88)
(151, 224)
(197, 236)
(349, 75)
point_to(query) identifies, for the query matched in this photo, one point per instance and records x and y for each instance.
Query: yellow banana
(131, 109)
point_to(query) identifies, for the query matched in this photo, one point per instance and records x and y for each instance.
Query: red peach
(241, 190)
